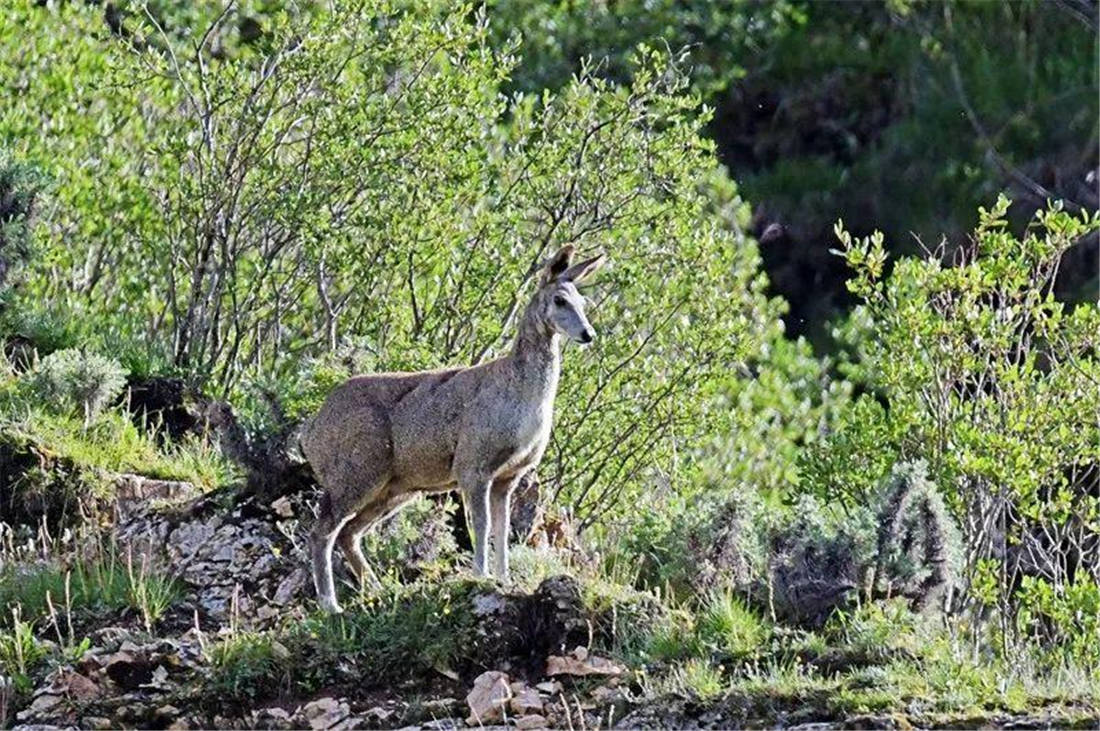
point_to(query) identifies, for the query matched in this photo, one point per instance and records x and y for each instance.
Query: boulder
(488, 698)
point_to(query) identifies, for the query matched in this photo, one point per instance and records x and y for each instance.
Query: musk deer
(379, 440)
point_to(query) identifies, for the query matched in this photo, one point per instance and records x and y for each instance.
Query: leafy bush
(424, 254)
(783, 406)
(690, 547)
(802, 559)
(247, 664)
(902, 116)
(984, 374)
(72, 380)
(419, 628)
(56, 463)
(918, 541)
(731, 628)
(20, 185)
(1063, 618)
(556, 38)
(817, 560)
(418, 541)
(20, 650)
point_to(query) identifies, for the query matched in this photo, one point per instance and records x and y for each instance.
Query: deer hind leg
(325, 530)
(350, 538)
(337, 509)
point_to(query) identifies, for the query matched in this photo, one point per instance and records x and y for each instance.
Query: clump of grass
(70, 380)
(670, 642)
(103, 581)
(875, 632)
(697, 679)
(248, 664)
(112, 443)
(784, 688)
(405, 632)
(148, 591)
(530, 566)
(733, 630)
(20, 651)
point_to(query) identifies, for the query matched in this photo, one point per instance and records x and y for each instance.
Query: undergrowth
(111, 443)
(52, 591)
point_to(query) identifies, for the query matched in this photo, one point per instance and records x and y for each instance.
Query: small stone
(77, 686)
(159, 678)
(488, 697)
(290, 586)
(325, 713)
(266, 612)
(283, 508)
(41, 708)
(378, 714)
(126, 670)
(550, 687)
(533, 720)
(275, 713)
(524, 700)
(445, 671)
(486, 604)
(605, 694)
(97, 722)
(279, 651)
(572, 665)
(443, 706)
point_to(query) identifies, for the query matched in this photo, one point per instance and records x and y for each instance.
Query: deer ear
(558, 264)
(579, 272)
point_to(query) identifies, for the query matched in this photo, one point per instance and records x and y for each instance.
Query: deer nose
(587, 336)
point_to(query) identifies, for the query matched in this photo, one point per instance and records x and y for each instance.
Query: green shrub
(248, 665)
(696, 679)
(309, 256)
(417, 629)
(20, 185)
(20, 651)
(803, 558)
(69, 381)
(816, 560)
(418, 542)
(730, 628)
(112, 443)
(42, 330)
(984, 374)
(918, 552)
(689, 545)
(1064, 621)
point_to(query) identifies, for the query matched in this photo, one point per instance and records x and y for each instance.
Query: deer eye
(560, 301)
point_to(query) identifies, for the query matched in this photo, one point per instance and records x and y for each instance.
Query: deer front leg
(501, 497)
(476, 496)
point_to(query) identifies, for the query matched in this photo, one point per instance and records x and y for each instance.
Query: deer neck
(536, 357)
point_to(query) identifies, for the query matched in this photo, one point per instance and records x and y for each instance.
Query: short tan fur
(381, 439)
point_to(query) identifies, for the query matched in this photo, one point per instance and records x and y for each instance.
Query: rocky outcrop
(119, 681)
(240, 559)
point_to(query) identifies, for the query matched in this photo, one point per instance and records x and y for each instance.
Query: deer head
(557, 306)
